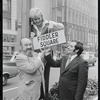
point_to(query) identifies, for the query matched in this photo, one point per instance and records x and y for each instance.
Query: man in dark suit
(73, 73)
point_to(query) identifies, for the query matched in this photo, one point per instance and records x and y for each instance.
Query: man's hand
(41, 55)
(47, 51)
(57, 55)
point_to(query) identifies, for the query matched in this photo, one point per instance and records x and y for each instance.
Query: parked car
(90, 57)
(9, 69)
(6, 58)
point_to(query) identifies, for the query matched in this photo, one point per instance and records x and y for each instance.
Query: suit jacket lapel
(71, 64)
(63, 64)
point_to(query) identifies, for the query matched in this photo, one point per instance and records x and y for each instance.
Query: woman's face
(38, 20)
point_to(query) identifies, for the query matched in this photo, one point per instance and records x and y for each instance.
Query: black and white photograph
(50, 49)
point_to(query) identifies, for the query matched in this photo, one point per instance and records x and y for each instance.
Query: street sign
(49, 39)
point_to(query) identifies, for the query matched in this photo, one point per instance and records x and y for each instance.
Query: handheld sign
(49, 39)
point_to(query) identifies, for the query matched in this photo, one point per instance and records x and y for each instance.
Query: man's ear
(76, 50)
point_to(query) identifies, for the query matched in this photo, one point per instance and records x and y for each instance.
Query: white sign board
(49, 39)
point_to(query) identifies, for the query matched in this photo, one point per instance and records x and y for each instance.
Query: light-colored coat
(30, 77)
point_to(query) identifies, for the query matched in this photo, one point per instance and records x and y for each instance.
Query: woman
(42, 26)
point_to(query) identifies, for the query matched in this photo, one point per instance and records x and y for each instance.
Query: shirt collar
(73, 56)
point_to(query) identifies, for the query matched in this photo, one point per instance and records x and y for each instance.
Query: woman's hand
(32, 34)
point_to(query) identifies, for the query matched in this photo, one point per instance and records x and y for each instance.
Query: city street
(48, 24)
(10, 90)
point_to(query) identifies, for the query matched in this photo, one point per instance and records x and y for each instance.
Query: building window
(63, 14)
(86, 21)
(6, 23)
(75, 17)
(6, 50)
(9, 38)
(75, 34)
(59, 3)
(63, 2)
(73, 13)
(59, 12)
(4, 38)
(7, 5)
(54, 14)
(54, 3)
(59, 19)
(80, 19)
(12, 50)
(68, 14)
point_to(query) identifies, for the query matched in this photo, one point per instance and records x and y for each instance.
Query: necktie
(68, 61)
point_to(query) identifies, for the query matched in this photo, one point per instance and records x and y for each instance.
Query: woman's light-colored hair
(35, 12)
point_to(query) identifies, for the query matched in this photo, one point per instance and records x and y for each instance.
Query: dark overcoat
(73, 79)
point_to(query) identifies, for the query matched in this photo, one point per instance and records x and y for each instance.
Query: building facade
(80, 20)
(9, 27)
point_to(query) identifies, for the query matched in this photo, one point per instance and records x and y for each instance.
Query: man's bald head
(26, 46)
(24, 40)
